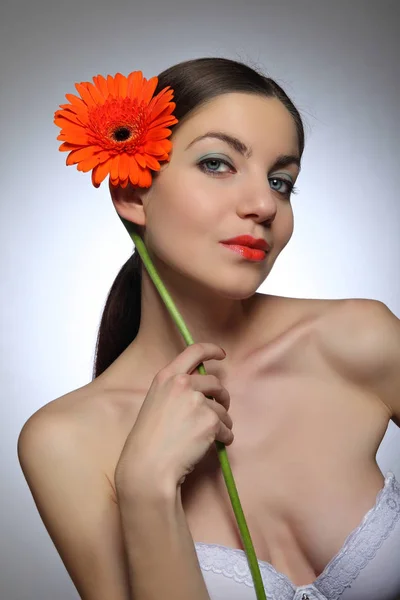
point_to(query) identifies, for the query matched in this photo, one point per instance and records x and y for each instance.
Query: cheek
(195, 206)
(289, 227)
(290, 219)
(177, 212)
(284, 226)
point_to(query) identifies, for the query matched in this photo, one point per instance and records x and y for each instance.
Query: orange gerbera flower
(116, 127)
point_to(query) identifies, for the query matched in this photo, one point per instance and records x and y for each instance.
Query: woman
(123, 470)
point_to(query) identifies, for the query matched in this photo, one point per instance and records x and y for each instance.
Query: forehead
(257, 120)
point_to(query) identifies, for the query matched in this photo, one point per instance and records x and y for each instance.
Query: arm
(142, 552)
(76, 504)
(161, 554)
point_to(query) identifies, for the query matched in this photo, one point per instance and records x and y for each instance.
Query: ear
(128, 202)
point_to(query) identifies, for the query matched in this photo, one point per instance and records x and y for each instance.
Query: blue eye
(291, 189)
(205, 169)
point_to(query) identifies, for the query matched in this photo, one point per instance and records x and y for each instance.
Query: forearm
(162, 560)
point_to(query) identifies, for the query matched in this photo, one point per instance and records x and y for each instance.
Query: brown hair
(194, 83)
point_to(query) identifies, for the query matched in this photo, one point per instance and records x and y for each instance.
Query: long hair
(194, 82)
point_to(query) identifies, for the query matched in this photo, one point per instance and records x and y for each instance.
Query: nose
(260, 203)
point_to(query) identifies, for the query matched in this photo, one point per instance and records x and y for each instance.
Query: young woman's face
(209, 192)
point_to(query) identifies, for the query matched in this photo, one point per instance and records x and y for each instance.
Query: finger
(211, 387)
(192, 356)
(221, 412)
(225, 435)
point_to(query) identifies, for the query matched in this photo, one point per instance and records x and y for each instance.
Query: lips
(249, 241)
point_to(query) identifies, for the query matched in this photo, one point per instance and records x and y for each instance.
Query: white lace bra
(367, 567)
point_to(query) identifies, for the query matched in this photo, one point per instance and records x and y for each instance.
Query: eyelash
(292, 188)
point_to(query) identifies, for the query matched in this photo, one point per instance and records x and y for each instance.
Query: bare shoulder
(348, 328)
(336, 310)
(359, 336)
(88, 408)
(69, 421)
(97, 421)
(355, 332)
(74, 410)
(289, 312)
(362, 339)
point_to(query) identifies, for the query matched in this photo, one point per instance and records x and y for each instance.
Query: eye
(202, 166)
(290, 187)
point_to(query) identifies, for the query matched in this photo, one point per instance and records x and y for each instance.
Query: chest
(303, 460)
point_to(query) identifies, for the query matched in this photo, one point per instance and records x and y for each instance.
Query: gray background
(62, 244)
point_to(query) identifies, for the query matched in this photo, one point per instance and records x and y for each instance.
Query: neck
(226, 322)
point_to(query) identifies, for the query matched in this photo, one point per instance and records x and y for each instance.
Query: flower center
(121, 134)
(118, 126)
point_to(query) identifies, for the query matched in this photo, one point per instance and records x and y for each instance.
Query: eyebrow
(282, 161)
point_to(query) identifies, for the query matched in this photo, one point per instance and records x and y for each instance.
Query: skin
(213, 288)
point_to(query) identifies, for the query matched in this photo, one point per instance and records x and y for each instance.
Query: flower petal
(101, 84)
(88, 164)
(166, 145)
(82, 154)
(133, 171)
(69, 109)
(145, 178)
(103, 155)
(68, 147)
(121, 85)
(135, 82)
(111, 85)
(158, 134)
(77, 140)
(140, 160)
(164, 121)
(71, 131)
(83, 116)
(83, 91)
(67, 120)
(156, 148)
(115, 167)
(70, 116)
(75, 101)
(124, 166)
(148, 90)
(160, 107)
(97, 96)
(162, 98)
(152, 162)
(100, 172)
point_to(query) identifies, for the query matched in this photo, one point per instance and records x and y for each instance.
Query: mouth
(246, 252)
(249, 242)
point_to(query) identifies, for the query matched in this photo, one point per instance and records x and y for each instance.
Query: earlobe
(128, 204)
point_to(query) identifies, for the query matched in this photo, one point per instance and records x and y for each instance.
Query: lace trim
(359, 548)
(232, 563)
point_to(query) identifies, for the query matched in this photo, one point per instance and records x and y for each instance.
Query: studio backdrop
(62, 243)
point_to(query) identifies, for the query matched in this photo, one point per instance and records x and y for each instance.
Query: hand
(177, 423)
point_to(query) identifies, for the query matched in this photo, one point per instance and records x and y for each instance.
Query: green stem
(221, 450)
